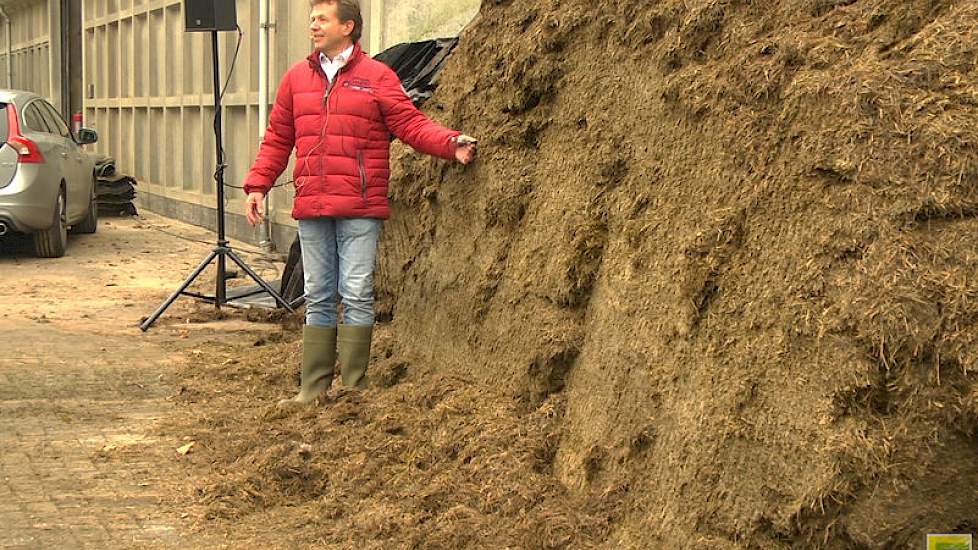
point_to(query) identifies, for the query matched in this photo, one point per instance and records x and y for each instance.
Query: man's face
(325, 28)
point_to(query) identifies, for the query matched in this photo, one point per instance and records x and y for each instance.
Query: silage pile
(736, 239)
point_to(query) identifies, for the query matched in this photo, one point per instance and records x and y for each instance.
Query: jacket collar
(313, 59)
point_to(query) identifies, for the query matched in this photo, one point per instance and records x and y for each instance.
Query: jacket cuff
(452, 145)
(255, 187)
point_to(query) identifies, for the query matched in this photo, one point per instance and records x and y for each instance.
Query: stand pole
(221, 291)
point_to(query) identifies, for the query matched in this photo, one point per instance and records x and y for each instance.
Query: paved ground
(80, 382)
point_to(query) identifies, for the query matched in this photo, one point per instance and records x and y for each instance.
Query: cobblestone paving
(58, 417)
(79, 382)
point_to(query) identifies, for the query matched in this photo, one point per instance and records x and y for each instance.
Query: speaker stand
(222, 251)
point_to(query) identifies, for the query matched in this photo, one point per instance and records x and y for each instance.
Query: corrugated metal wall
(148, 88)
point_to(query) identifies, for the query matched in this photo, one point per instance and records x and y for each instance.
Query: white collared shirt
(332, 66)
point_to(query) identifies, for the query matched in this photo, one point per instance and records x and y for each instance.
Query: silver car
(47, 182)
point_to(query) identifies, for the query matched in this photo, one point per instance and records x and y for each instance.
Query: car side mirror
(86, 136)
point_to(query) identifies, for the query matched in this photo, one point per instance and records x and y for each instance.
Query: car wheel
(52, 242)
(90, 223)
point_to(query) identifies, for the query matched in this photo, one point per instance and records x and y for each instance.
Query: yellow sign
(949, 542)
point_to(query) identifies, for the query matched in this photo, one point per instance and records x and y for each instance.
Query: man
(337, 108)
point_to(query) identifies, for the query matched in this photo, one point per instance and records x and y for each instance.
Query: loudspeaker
(210, 15)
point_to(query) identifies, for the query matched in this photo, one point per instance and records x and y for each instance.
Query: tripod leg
(156, 314)
(261, 282)
(220, 294)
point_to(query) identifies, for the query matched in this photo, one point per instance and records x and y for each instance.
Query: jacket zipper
(322, 133)
(322, 130)
(363, 176)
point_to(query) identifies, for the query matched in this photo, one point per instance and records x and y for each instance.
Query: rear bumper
(27, 220)
(26, 207)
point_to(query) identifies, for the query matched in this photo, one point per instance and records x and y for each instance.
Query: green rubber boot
(353, 342)
(318, 362)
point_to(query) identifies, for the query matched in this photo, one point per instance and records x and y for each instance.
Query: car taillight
(27, 151)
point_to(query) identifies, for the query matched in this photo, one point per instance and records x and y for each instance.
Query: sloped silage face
(733, 240)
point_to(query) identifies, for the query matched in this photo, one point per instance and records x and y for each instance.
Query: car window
(53, 119)
(34, 120)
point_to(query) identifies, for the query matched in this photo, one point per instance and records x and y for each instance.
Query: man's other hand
(466, 149)
(255, 208)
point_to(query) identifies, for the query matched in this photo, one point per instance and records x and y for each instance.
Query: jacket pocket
(363, 175)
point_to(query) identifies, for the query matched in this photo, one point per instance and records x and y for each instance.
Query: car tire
(52, 242)
(90, 224)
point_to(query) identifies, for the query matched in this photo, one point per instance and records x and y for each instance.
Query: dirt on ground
(419, 460)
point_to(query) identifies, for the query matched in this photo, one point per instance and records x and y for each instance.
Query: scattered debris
(185, 449)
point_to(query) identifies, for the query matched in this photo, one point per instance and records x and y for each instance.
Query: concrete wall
(148, 91)
(34, 60)
(147, 87)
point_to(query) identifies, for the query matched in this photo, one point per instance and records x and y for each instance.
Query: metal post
(375, 37)
(266, 243)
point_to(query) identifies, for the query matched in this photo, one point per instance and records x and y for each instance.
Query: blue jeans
(338, 257)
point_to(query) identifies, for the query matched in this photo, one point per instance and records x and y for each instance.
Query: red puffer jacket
(341, 135)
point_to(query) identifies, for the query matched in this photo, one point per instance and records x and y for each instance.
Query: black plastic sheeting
(418, 64)
(114, 192)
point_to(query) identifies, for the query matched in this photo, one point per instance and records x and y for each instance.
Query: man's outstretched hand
(466, 149)
(255, 208)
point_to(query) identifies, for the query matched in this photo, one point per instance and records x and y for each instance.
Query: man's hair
(348, 10)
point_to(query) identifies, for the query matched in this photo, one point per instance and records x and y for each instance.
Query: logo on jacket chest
(359, 84)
